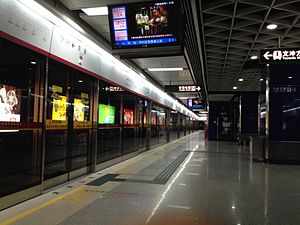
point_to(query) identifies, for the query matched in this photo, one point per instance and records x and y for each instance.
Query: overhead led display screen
(195, 103)
(145, 24)
(106, 114)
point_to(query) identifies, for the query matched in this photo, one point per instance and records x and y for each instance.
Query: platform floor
(187, 182)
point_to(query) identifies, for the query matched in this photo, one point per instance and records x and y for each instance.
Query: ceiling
(220, 38)
(235, 30)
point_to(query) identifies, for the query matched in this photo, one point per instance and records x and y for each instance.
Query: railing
(284, 151)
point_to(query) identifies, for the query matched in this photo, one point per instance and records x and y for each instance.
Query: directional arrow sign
(182, 88)
(286, 55)
(267, 55)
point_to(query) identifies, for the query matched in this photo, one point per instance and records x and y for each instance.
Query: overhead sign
(280, 55)
(143, 24)
(182, 88)
(113, 89)
(284, 89)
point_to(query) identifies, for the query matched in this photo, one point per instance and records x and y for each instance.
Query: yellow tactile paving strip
(39, 207)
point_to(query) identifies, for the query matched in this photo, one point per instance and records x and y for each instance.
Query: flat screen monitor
(106, 114)
(145, 25)
(196, 103)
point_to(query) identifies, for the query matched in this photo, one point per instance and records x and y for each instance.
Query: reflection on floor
(187, 182)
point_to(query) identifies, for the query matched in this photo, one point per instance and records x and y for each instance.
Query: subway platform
(189, 182)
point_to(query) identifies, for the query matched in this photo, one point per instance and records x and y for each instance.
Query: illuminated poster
(153, 118)
(79, 108)
(59, 108)
(128, 116)
(10, 104)
(161, 118)
(106, 114)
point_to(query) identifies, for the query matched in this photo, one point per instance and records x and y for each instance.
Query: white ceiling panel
(173, 61)
(80, 4)
(95, 20)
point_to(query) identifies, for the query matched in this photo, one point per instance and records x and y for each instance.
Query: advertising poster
(10, 104)
(153, 118)
(59, 109)
(79, 108)
(161, 118)
(128, 116)
(106, 114)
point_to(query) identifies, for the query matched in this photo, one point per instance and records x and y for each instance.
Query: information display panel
(147, 23)
(106, 114)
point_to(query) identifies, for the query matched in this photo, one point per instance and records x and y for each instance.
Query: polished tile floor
(187, 182)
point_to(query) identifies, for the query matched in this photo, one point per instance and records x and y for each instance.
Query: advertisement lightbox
(106, 114)
(145, 25)
(59, 110)
(10, 104)
(79, 108)
(128, 116)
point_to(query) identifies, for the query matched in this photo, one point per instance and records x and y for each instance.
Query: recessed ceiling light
(33, 62)
(261, 79)
(254, 57)
(271, 26)
(241, 79)
(234, 88)
(80, 81)
(96, 11)
(233, 207)
(164, 69)
(268, 64)
(290, 77)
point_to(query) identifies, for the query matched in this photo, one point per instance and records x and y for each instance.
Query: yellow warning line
(83, 195)
(74, 200)
(34, 209)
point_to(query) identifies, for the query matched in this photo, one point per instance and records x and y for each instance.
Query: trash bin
(257, 148)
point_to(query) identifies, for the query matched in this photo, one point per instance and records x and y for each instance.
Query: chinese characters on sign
(284, 89)
(113, 88)
(118, 12)
(165, 3)
(188, 88)
(280, 55)
(182, 88)
(121, 35)
(120, 24)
